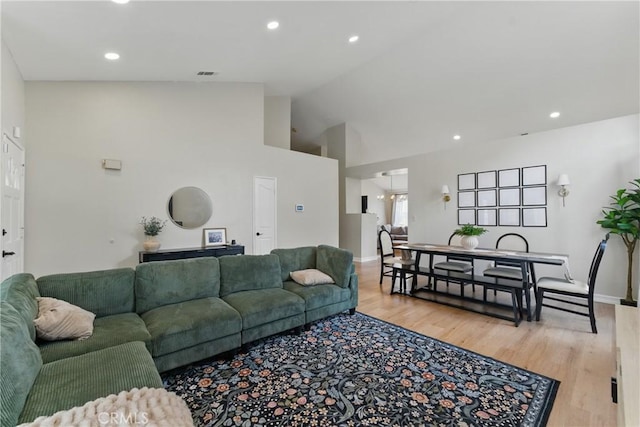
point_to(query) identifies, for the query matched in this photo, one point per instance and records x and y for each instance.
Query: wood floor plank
(560, 346)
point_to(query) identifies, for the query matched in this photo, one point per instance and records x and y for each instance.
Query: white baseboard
(607, 299)
(366, 259)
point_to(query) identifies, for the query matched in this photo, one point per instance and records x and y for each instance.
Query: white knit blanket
(148, 407)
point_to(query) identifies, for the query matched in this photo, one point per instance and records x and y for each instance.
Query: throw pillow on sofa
(310, 277)
(59, 320)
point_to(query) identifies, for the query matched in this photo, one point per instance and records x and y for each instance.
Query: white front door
(264, 215)
(12, 190)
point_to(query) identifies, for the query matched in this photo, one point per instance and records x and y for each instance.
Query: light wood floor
(560, 346)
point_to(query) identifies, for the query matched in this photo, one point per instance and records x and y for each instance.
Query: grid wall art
(515, 197)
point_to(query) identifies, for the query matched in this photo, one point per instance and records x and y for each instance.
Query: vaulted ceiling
(420, 72)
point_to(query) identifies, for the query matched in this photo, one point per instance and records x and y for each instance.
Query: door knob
(4, 254)
(258, 234)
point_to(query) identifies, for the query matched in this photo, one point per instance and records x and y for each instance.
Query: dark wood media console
(183, 253)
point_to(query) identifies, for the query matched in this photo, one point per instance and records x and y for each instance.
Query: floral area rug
(360, 371)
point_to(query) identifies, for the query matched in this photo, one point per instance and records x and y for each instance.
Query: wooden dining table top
(486, 253)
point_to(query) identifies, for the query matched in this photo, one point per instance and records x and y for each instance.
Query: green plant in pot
(152, 227)
(622, 217)
(469, 235)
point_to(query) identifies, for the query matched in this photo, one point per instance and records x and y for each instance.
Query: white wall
(12, 95)
(376, 206)
(12, 106)
(599, 157)
(168, 135)
(277, 121)
(360, 232)
(353, 196)
(354, 149)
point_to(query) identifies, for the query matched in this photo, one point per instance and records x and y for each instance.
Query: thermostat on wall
(112, 164)
(299, 208)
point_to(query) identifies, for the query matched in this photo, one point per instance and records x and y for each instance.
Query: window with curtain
(400, 213)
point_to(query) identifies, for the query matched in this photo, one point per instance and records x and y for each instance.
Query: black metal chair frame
(531, 270)
(591, 282)
(386, 266)
(453, 279)
(386, 269)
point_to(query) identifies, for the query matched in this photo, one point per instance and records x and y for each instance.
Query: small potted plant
(469, 233)
(152, 227)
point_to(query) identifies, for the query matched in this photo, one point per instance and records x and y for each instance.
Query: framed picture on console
(214, 237)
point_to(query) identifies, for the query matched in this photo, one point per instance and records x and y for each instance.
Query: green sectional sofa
(160, 316)
(43, 378)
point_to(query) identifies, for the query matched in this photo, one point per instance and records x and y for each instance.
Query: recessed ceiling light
(554, 115)
(111, 56)
(456, 137)
(120, 1)
(353, 39)
(273, 25)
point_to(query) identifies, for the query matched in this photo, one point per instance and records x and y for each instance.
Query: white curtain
(400, 210)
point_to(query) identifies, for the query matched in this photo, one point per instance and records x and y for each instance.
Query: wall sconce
(563, 182)
(445, 195)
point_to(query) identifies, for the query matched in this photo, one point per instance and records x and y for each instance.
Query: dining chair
(572, 288)
(511, 270)
(454, 264)
(388, 257)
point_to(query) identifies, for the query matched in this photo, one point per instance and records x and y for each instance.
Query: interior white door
(12, 190)
(264, 215)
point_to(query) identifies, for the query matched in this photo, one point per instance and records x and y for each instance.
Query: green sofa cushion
(319, 295)
(295, 259)
(178, 326)
(74, 381)
(260, 307)
(335, 262)
(20, 363)
(170, 282)
(21, 291)
(103, 293)
(108, 331)
(249, 272)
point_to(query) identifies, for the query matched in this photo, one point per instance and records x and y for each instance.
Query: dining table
(523, 260)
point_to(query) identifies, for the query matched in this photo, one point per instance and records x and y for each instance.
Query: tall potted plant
(623, 218)
(469, 233)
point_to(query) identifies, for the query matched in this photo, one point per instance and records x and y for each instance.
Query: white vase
(151, 244)
(469, 242)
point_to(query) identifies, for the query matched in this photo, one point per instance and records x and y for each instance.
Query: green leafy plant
(623, 218)
(470, 230)
(152, 226)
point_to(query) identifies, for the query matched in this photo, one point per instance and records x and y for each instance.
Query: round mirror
(189, 207)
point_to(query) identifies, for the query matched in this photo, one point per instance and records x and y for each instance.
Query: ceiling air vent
(207, 73)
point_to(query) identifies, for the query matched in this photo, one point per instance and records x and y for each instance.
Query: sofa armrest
(335, 262)
(353, 286)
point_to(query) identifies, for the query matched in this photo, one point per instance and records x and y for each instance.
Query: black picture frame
(466, 216)
(509, 217)
(486, 179)
(486, 198)
(534, 217)
(535, 195)
(509, 178)
(466, 181)
(487, 217)
(534, 175)
(508, 196)
(463, 199)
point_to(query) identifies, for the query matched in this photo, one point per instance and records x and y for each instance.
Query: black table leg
(525, 289)
(394, 275)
